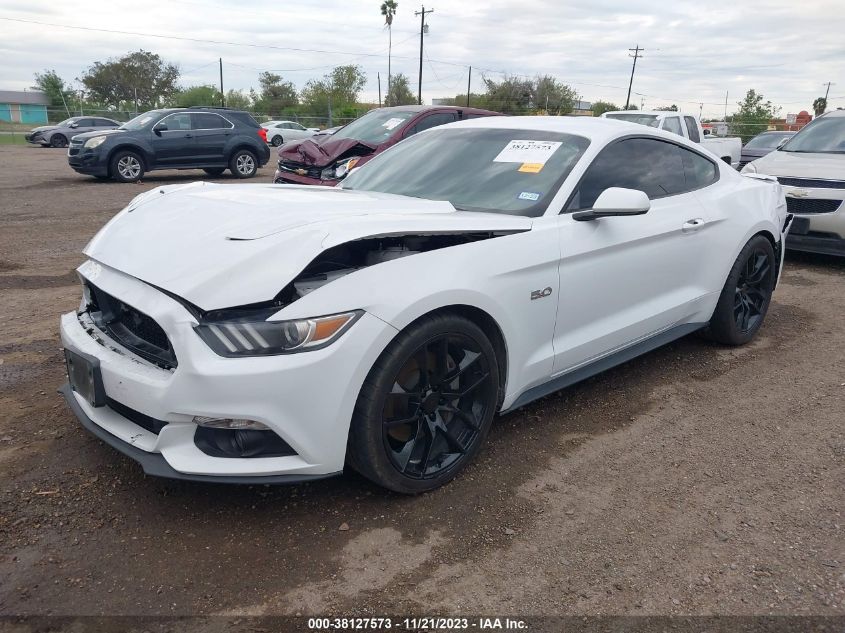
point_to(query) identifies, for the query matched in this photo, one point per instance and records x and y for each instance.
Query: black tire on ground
(58, 140)
(126, 166)
(243, 164)
(746, 296)
(215, 171)
(276, 141)
(413, 431)
(102, 177)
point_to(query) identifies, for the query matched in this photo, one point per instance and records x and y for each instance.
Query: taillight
(263, 134)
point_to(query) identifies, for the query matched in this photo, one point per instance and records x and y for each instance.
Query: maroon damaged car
(325, 159)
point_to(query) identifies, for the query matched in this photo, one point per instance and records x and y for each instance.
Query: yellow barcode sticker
(531, 168)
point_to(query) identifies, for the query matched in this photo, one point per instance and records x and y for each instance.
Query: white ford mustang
(272, 333)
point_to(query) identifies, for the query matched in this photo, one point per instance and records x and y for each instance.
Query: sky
(695, 52)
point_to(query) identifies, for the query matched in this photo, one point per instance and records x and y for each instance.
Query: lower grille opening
(240, 443)
(136, 417)
(811, 205)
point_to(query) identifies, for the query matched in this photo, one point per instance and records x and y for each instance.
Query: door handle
(693, 225)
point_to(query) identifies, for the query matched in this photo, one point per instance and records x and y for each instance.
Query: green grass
(12, 139)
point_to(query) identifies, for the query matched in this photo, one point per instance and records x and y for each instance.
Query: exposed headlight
(94, 142)
(344, 168)
(250, 335)
(749, 169)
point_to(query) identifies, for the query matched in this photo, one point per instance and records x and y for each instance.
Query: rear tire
(58, 140)
(746, 295)
(426, 406)
(126, 166)
(243, 164)
(214, 172)
(276, 141)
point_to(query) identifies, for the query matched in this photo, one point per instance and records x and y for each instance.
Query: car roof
(651, 112)
(425, 108)
(834, 113)
(595, 128)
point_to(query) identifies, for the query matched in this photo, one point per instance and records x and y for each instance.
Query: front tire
(126, 166)
(426, 406)
(58, 140)
(746, 295)
(243, 164)
(214, 172)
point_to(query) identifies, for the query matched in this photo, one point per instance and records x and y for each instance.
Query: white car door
(626, 279)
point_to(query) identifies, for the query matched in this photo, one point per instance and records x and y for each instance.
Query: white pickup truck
(728, 149)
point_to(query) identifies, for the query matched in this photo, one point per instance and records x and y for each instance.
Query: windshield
(516, 172)
(141, 121)
(643, 119)
(766, 141)
(825, 135)
(375, 127)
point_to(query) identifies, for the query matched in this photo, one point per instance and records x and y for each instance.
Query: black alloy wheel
(58, 140)
(277, 140)
(746, 296)
(427, 405)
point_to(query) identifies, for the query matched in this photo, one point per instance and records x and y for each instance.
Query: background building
(23, 107)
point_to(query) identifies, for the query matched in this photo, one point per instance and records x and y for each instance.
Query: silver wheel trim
(245, 165)
(129, 167)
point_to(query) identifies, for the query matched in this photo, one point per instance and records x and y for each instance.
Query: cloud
(694, 53)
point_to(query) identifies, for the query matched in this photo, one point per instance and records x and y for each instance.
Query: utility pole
(827, 92)
(469, 84)
(636, 56)
(222, 96)
(726, 106)
(378, 75)
(422, 15)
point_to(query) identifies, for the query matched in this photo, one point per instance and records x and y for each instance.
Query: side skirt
(604, 363)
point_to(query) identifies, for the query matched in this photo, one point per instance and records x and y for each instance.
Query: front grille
(311, 170)
(131, 328)
(811, 206)
(144, 421)
(814, 183)
(74, 148)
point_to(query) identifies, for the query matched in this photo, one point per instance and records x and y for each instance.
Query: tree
(335, 92)
(276, 94)
(671, 108)
(553, 96)
(753, 116)
(600, 107)
(388, 10)
(400, 92)
(57, 91)
(632, 107)
(117, 81)
(197, 96)
(238, 99)
(819, 106)
(512, 95)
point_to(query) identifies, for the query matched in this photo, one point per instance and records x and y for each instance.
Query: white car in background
(279, 132)
(728, 149)
(811, 168)
(274, 334)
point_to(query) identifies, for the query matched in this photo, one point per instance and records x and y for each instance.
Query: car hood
(44, 128)
(107, 132)
(799, 165)
(221, 246)
(324, 150)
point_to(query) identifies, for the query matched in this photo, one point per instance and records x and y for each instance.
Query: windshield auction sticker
(392, 123)
(532, 155)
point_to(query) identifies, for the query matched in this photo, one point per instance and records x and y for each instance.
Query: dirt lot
(695, 480)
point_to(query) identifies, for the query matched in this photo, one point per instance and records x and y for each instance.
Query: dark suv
(211, 139)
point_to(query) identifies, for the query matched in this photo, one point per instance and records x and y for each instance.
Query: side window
(104, 122)
(692, 129)
(699, 171)
(648, 165)
(178, 122)
(209, 121)
(296, 126)
(433, 120)
(86, 123)
(673, 124)
(471, 115)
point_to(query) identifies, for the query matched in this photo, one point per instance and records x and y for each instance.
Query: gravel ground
(697, 479)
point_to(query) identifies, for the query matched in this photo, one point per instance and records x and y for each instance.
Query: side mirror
(159, 128)
(615, 201)
(74, 125)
